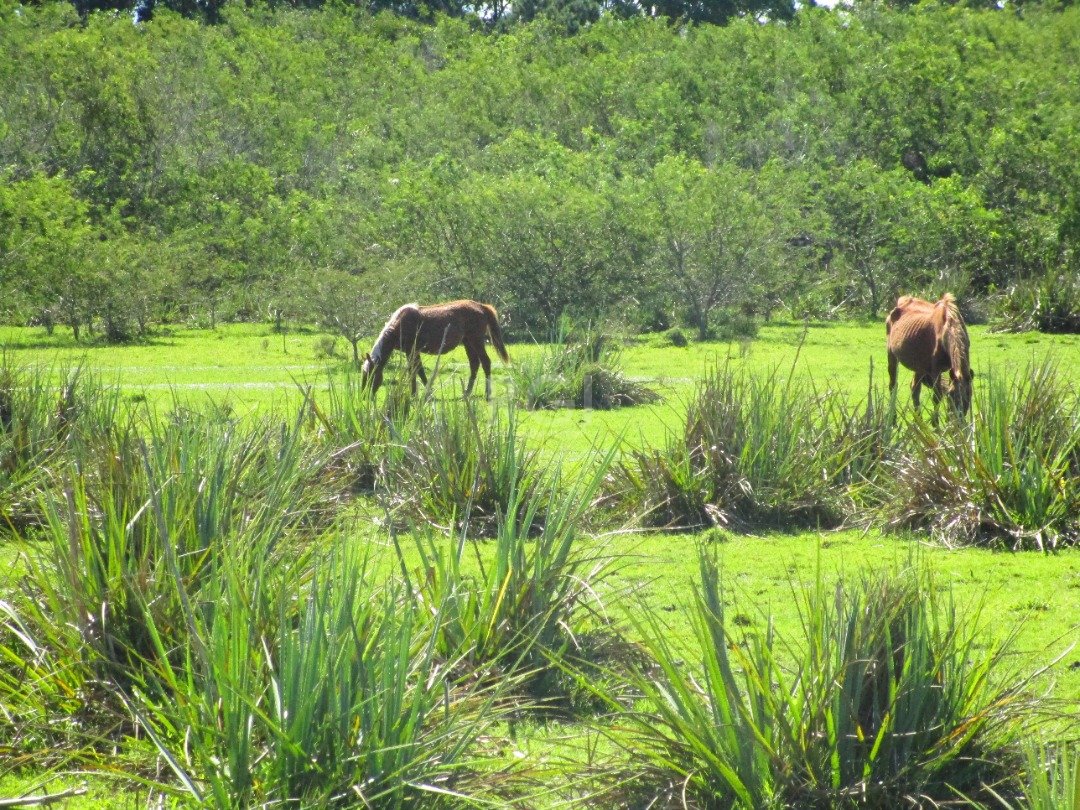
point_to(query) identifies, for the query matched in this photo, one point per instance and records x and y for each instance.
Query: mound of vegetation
(1012, 477)
(755, 452)
(580, 369)
(894, 701)
(1049, 304)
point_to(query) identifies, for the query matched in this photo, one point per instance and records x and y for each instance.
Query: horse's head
(371, 373)
(960, 390)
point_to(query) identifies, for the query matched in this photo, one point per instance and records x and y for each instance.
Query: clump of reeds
(1050, 778)
(756, 451)
(361, 431)
(578, 369)
(893, 700)
(512, 604)
(462, 466)
(129, 538)
(316, 691)
(1012, 477)
(44, 414)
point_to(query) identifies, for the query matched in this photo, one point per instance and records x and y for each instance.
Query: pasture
(627, 591)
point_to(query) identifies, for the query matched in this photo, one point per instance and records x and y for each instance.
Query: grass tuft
(1012, 479)
(577, 370)
(893, 701)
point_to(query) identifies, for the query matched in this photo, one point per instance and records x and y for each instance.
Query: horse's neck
(388, 339)
(385, 343)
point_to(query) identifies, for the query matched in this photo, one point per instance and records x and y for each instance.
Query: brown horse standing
(437, 329)
(930, 339)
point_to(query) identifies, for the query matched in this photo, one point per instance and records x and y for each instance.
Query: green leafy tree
(47, 250)
(715, 236)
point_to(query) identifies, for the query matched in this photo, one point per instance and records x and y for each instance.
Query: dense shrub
(1049, 304)
(461, 466)
(580, 369)
(756, 451)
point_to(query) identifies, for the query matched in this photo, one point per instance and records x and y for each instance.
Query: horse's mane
(388, 332)
(954, 336)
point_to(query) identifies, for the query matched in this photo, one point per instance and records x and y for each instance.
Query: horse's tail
(495, 332)
(954, 336)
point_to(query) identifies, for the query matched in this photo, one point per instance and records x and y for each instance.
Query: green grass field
(253, 371)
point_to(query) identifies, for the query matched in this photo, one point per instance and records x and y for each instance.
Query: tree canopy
(177, 170)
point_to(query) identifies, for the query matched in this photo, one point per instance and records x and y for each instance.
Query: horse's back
(442, 327)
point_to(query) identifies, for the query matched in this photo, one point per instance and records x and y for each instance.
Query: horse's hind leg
(892, 371)
(474, 366)
(485, 361)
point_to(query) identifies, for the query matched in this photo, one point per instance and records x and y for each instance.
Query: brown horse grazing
(930, 339)
(437, 329)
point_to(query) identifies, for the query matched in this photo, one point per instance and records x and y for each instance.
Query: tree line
(329, 163)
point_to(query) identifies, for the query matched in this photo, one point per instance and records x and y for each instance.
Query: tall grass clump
(1050, 781)
(756, 451)
(319, 691)
(1012, 478)
(361, 431)
(42, 412)
(886, 699)
(514, 604)
(131, 537)
(577, 369)
(1050, 303)
(462, 466)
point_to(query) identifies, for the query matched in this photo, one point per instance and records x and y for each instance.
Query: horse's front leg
(916, 386)
(416, 369)
(940, 390)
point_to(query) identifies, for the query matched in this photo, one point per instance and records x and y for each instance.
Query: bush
(361, 433)
(459, 469)
(42, 424)
(516, 608)
(733, 325)
(676, 337)
(755, 452)
(317, 690)
(1049, 304)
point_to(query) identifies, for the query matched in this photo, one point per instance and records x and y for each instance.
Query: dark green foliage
(733, 326)
(676, 337)
(177, 170)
